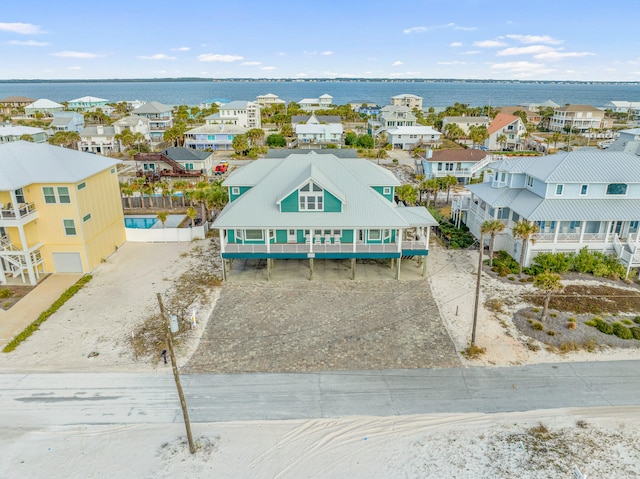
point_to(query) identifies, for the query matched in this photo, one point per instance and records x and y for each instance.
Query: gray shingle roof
(23, 163)
(186, 154)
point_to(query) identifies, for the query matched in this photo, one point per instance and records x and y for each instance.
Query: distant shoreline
(325, 80)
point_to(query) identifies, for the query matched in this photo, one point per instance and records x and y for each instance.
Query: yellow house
(60, 210)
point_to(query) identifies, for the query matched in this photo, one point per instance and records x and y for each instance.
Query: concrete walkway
(29, 308)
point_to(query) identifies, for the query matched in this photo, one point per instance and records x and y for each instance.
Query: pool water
(140, 223)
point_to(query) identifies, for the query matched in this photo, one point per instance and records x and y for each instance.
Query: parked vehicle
(221, 168)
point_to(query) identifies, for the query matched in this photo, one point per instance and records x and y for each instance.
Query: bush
(555, 262)
(276, 140)
(504, 265)
(571, 325)
(635, 332)
(5, 293)
(622, 331)
(537, 325)
(636, 320)
(600, 325)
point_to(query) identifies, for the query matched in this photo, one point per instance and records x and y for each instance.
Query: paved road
(64, 399)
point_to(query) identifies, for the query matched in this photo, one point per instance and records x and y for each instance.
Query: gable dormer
(312, 192)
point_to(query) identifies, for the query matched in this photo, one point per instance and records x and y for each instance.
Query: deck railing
(305, 248)
(23, 210)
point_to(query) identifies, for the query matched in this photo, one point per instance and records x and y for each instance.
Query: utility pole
(477, 301)
(176, 376)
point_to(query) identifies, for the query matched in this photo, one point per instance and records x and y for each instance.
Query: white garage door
(67, 262)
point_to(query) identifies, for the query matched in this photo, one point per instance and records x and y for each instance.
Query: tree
(162, 216)
(445, 183)
(191, 213)
(525, 231)
(67, 139)
(555, 137)
(350, 138)
(276, 140)
(26, 137)
(255, 135)
(492, 228)
(407, 193)
(240, 144)
(549, 283)
(127, 190)
(365, 141)
(478, 134)
(453, 132)
(429, 186)
(502, 140)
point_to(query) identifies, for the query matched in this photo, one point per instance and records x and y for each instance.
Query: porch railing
(304, 248)
(22, 211)
(571, 237)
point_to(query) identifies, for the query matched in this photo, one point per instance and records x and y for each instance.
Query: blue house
(586, 198)
(319, 206)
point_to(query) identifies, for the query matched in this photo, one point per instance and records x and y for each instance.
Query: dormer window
(617, 189)
(530, 181)
(311, 197)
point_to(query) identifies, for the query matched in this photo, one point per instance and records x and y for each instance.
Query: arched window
(311, 197)
(616, 189)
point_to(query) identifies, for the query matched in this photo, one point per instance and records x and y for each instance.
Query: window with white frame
(69, 227)
(559, 190)
(374, 235)
(583, 190)
(235, 190)
(49, 194)
(253, 235)
(617, 189)
(311, 197)
(386, 190)
(63, 194)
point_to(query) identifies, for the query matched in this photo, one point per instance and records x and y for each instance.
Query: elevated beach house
(60, 211)
(583, 198)
(318, 206)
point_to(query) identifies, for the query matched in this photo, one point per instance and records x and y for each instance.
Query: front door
(616, 227)
(292, 236)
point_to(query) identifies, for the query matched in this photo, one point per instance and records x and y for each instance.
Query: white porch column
(25, 249)
(3, 278)
(555, 234)
(268, 239)
(311, 241)
(355, 238)
(222, 243)
(399, 233)
(606, 236)
(583, 225)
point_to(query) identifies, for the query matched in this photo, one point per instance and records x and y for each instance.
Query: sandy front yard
(538, 444)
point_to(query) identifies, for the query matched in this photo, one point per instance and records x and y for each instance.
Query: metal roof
(271, 178)
(587, 166)
(44, 103)
(152, 107)
(213, 128)
(23, 163)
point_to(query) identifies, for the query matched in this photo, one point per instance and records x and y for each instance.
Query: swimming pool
(140, 222)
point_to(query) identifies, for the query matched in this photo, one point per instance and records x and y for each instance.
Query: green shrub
(622, 331)
(5, 293)
(635, 332)
(603, 326)
(636, 320)
(57, 304)
(555, 262)
(537, 325)
(628, 322)
(551, 332)
(504, 265)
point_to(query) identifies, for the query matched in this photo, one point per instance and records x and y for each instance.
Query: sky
(465, 39)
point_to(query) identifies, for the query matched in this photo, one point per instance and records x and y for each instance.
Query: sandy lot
(601, 442)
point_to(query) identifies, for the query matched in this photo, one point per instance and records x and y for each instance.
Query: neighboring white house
(629, 141)
(632, 108)
(408, 100)
(98, 139)
(407, 137)
(466, 122)
(212, 137)
(160, 118)
(85, 103)
(310, 104)
(269, 100)
(133, 123)
(43, 106)
(245, 114)
(505, 132)
(583, 198)
(11, 133)
(316, 132)
(582, 118)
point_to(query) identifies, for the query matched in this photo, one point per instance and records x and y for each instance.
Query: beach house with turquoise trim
(319, 206)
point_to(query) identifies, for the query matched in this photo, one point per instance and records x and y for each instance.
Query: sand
(601, 442)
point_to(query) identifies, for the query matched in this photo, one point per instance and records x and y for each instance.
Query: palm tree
(447, 182)
(407, 193)
(478, 134)
(255, 135)
(191, 213)
(127, 190)
(549, 283)
(555, 137)
(162, 216)
(148, 190)
(453, 131)
(492, 228)
(502, 139)
(525, 231)
(181, 186)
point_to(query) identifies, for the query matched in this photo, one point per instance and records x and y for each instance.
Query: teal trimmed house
(319, 206)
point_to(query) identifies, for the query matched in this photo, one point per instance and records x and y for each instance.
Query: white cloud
(74, 68)
(521, 67)
(530, 50)
(216, 57)
(452, 63)
(408, 31)
(268, 68)
(395, 64)
(489, 44)
(21, 28)
(158, 56)
(455, 44)
(28, 43)
(180, 49)
(558, 55)
(535, 39)
(328, 52)
(301, 75)
(312, 52)
(68, 54)
(251, 63)
(466, 29)
(471, 52)
(281, 54)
